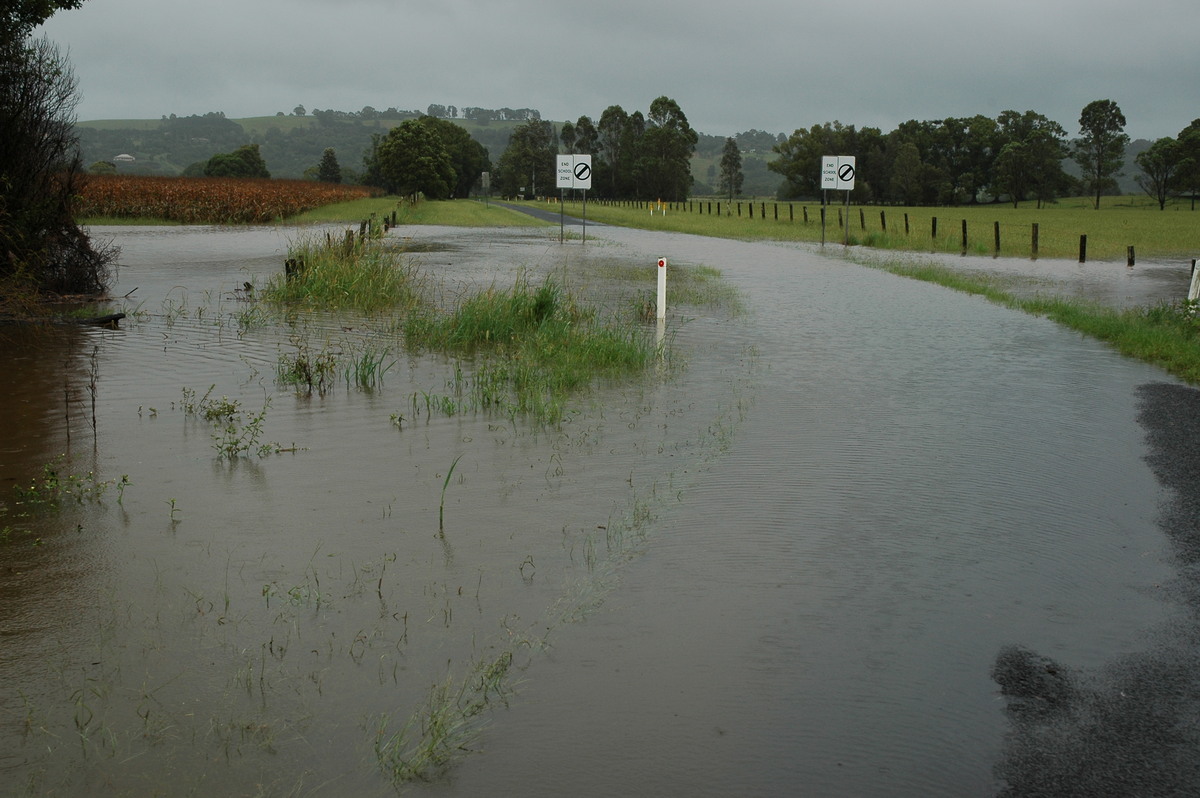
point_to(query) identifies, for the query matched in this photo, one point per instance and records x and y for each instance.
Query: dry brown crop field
(206, 200)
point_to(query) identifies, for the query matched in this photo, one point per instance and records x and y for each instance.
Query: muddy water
(784, 564)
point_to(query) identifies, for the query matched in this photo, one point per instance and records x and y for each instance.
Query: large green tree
(468, 157)
(1100, 149)
(666, 151)
(1029, 161)
(413, 159)
(245, 161)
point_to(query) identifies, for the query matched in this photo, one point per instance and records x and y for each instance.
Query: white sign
(574, 171)
(837, 172)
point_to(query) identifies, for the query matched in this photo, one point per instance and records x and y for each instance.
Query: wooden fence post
(964, 236)
(1034, 249)
(1083, 249)
(997, 224)
(933, 228)
(883, 220)
(804, 208)
(1130, 259)
(862, 219)
(906, 224)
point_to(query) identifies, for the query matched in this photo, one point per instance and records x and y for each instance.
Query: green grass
(1166, 335)
(454, 213)
(345, 272)
(532, 347)
(1121, 222)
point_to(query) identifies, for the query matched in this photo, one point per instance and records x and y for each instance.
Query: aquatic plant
(358, 272)
(54, 486)
(532, 346)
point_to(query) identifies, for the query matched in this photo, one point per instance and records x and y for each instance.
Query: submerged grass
(532, 346)
(1166, 335)
(351, 272)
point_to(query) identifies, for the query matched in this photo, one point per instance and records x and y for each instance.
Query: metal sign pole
(824, 205)
(584, 216)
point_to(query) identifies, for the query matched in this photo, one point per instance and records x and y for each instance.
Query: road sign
(837, 172)
(574, 171)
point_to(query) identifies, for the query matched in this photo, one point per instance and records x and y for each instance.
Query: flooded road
(787, 563)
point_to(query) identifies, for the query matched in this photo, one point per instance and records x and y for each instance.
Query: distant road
(545, 214)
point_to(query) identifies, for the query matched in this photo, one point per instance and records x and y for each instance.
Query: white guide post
(662, 288)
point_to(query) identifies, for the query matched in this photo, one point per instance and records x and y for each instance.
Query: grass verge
(1120, 223)
(1166, 335)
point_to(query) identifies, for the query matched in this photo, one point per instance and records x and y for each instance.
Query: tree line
(635, 155)
(1015, 157)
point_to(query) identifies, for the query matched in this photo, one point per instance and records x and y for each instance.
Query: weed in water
(363, 273)
(306, 370)
(442, 505)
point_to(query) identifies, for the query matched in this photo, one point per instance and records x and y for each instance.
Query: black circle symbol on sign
(846, 172)
(582, 171)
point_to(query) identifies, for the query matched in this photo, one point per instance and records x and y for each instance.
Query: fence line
(731, 208)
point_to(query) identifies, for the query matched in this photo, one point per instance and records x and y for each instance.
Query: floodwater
(790, 561)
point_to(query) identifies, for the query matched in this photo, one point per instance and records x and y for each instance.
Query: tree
(1030, 159)
(586, 136)
(18, 18)
(40, 244)
(731, 169)
(1160, 165)
(529, 161)
(245, 161)
(299, 110)
(907, 172)
(1100, 150)
(566, 135)
(468, 157)
(800, 156)
(328, 171)
(412, 159)
(1189, 170)
(611, 137)
(666, 151)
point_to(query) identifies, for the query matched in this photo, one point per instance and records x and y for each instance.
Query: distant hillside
(290, 144)
(294, 143)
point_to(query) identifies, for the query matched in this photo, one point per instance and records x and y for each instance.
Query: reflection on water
(823, 526)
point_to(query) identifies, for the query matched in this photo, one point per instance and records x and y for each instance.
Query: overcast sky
(772, 65)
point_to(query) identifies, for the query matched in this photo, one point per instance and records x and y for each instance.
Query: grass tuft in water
(533, 346)
(353, 272)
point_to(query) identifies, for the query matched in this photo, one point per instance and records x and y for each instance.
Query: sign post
(574, 171)
(838, 172)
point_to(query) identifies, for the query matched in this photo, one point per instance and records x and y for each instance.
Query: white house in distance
(124, 158)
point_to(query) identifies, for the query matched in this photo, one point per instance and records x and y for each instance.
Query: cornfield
(207, 200)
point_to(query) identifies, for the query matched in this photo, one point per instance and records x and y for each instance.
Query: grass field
(1120, 223)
